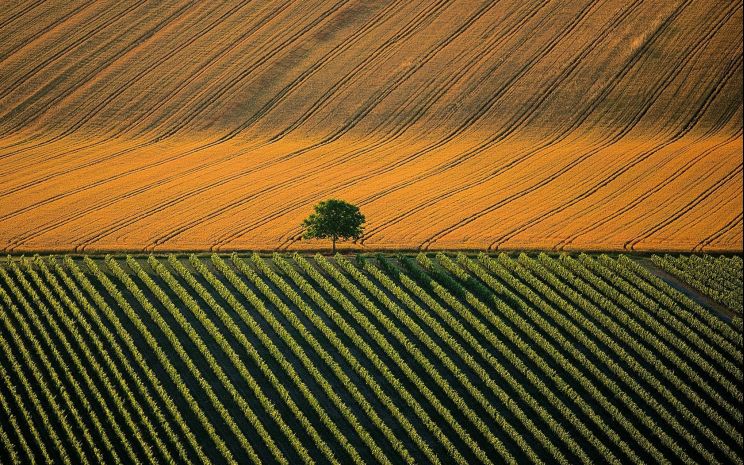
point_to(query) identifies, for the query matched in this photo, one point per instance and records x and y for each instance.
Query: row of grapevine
(507, 400)
(31, 390)
(620, 354)
(372, 356)
(113, 391)
(619, 371)
(20, 437)
(719, 278)
(729, 430)
(215, 366)
(379, 337)
(645, 310)
(162, 356)
(31, 428)
(705, 336)
(432, 304)
(390, 359)
(53, 368)
(561, 346)
(418, 355)
(248, 346)
(9, 446)
(514, 358)
(191, 366)
(102, 308)
(504, 327)
(331, 336)
(597, 312)
(298, 351)
(81, 319)
(665, 347)
(691, 307)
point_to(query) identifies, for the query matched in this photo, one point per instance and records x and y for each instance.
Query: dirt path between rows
(702, 299)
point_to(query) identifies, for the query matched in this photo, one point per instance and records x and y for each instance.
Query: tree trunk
(334, 246)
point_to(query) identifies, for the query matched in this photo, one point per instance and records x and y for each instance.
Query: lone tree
(334, 219)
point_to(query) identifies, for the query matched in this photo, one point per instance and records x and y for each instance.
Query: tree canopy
(334, 219)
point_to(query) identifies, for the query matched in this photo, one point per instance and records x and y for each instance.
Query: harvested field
(173, 125)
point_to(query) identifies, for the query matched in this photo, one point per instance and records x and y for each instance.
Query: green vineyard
(720, 278)
(374, 359)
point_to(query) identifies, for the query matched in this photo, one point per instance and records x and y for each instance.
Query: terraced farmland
(387, 359)
(469, 124)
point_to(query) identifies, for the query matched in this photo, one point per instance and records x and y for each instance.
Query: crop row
(427, 359)
(719, 278)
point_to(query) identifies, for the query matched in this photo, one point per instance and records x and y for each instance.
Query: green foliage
(334, 219)
(719, 278)
(440, 358)
(386, 266)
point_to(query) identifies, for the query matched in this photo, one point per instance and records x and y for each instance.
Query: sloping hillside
(452, 123)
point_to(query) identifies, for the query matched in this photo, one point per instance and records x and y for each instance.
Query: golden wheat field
(453, 124)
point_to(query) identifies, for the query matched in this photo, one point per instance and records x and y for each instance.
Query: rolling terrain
(176, 125)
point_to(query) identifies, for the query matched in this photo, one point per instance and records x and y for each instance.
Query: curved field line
(96, 109)
(101, 182)
(28, 208)
(80, 7)
(192, 77)
(133, 45)
(641, 198)
(146, 35)
(127, 151)
(737, 220)
(199, 107)
(311, 70)
(414, 117)
(702, 173)
(416, 21)
(644, 155)
(335, 162)
(419, 21)
(256, 27)
(79, 40)
(231, 177)
(156, 138)
(36, 36)
(262, 60)
(458, 95)
(482, 147)
(703, 176)
(614, 139)
(387, 168)
(630, 244)
(155, 64)
(482, 111)
(106, 201)
(431, 92)
(17, 15)
(613, 83)
(110, 200)
(386, 140)
(305, 201)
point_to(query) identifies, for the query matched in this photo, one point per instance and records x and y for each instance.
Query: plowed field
(175, 125)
